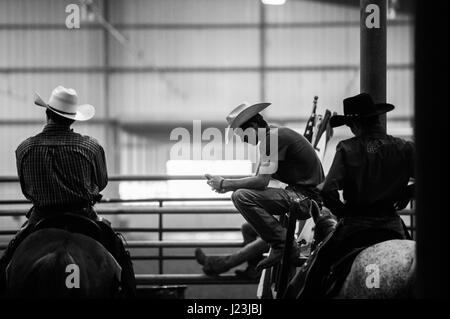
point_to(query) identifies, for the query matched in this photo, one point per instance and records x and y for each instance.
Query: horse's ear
(315, 212)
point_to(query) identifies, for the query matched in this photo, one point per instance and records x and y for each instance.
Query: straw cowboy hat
(242, 114)
(359, 106)
(64, 102)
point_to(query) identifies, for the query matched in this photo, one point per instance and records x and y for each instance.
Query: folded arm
(260, 181)
(333, 182)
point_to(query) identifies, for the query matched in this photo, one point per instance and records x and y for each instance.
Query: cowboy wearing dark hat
(372, 169)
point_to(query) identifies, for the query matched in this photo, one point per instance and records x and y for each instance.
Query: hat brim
(84, 112)
(243, 117)
(339, 120)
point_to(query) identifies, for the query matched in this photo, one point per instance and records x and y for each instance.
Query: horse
(385, 270)
(56, 263)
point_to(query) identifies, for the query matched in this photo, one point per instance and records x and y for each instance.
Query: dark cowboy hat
(359, 106)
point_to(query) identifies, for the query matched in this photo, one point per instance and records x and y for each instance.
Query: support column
(112, 147)
(262, 52)
(373, 50)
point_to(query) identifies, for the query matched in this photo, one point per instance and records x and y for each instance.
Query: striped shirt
(60, 168)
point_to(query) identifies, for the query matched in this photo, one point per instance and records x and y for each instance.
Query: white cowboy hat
(242, 114)
(64, 102)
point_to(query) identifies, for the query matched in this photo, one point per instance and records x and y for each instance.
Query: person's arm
(19, 169)
(333, 182)
(410, 190)
(259, 181)
(411, 158)
(268, 166)
(222, 185)
(101, 172)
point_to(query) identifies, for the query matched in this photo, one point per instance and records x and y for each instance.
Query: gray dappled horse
(383, 270)
(42, 267)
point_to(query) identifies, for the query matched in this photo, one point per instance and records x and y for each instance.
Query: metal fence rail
(155, 206)
(193, 279)
(136, 178)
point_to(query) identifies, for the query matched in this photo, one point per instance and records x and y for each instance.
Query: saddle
(339, 271)
(332, 281)
(301, 205)
(98, 230)
(73, 223)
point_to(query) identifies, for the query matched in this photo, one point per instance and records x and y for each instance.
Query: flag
(324, 125)
(316, 130)
(326, 128)
(311, 122)
(329, 132)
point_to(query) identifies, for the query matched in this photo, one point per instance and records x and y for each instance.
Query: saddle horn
(315, 211)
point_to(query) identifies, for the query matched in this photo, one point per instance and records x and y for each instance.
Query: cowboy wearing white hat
(64, 102)
(61, 171)
(294, 163)
(241, 114)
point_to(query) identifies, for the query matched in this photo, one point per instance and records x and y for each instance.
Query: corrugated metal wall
(198, 59)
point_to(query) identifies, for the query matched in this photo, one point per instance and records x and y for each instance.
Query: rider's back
(377, 171)
(59, 167)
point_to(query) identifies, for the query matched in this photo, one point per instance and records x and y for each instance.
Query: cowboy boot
(128, 279)
(275, 256)
(259, 247)
(214, 265)
(114, 243)
(250, 272)
(5, 259)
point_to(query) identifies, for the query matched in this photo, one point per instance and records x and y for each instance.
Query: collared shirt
(297, 162)
(373, 170)
(59, 167)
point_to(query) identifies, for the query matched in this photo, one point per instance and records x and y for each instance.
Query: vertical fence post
(160, 238)
(262, 51)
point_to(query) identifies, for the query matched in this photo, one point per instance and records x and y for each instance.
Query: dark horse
(55, 263)
(395, 261)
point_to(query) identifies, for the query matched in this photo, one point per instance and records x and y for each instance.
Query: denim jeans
(258, 207)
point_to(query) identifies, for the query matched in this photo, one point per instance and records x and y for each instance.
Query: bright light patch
(274, 2)
(185, 188)
(199, 188)
(176, 167)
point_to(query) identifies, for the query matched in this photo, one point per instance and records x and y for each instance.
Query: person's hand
(320, 186)
(215, 182)
(401, 204)
(405, 198)
(222, 191)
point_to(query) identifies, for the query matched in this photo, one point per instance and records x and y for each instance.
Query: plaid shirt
(59, 168)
